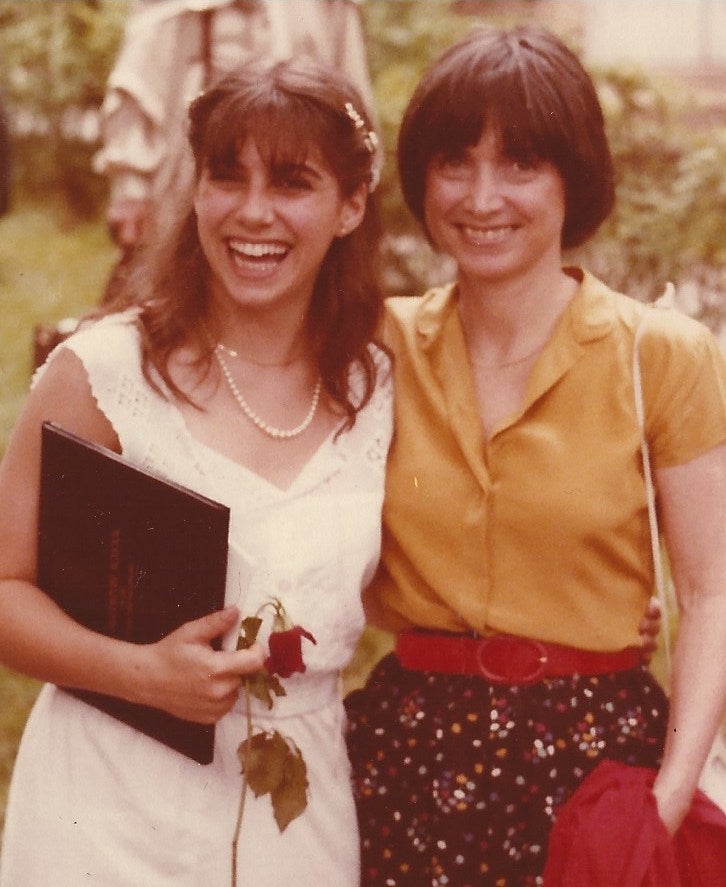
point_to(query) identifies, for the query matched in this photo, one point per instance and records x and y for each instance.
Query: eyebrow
(302, 167)
(221, 167)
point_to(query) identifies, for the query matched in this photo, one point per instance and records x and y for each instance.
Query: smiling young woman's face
(265, 230)
(497, 216)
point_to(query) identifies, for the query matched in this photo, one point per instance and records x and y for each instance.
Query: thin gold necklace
(509, 363)
(269, 430)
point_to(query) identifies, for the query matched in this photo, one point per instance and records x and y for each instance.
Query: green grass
(49, 269)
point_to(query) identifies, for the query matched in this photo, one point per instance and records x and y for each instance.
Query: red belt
(505, 659)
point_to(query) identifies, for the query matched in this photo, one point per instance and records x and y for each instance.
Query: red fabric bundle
(609, 833)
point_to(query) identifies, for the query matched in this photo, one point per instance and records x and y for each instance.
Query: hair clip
(370, 139)
(375, 177)
(354, 116)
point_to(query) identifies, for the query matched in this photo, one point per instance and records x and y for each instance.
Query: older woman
(516, 561)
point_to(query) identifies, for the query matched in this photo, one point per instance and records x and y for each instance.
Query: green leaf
(290, 796)
(262, 685)
(272, 766)
(263, 761)
(258, 686)
(275, 685)
(250, 627)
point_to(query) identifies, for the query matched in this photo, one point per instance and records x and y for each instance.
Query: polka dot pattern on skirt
(458, 781)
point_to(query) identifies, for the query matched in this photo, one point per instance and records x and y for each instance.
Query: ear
(352, 211)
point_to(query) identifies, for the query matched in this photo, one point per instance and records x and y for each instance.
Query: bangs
(529, 118)
(291, 112)
(283, 131)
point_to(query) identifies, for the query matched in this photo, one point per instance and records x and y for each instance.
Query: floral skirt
(458, 781)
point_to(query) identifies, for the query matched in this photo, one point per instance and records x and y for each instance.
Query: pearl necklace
(269, 430)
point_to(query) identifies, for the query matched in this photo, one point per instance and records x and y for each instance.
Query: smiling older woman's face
(497, 216)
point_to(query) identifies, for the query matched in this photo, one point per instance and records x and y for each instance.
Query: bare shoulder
(62, 395)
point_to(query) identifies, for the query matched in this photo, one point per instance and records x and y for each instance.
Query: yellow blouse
(541, 531)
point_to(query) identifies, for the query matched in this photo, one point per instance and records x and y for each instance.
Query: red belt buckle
(505, 659)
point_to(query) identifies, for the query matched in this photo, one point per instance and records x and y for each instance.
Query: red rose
(286, 651)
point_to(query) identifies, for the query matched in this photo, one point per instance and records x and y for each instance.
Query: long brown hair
(284, 109)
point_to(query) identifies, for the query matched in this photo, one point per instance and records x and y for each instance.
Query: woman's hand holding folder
(184, 675)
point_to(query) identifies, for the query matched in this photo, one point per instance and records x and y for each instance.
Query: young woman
(241, 366)
(516, 561)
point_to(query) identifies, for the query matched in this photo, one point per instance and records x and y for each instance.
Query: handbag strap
(665, 301)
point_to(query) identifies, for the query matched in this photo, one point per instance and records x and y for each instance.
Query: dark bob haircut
(526, 85)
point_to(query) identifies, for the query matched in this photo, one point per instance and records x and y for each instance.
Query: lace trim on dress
(151, 429)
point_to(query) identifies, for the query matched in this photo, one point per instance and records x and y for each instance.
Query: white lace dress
(94, 802)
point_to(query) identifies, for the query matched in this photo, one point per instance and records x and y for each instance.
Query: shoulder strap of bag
(666, 300)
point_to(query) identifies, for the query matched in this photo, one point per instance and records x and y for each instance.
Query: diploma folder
(132, 556)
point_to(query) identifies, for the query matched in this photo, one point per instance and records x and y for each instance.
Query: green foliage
(373, 645)
(54, 62)
(273, 765)
(48, 271)
(669, 222)
(670, 218)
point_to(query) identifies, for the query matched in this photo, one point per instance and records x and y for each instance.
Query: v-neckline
(330, 441)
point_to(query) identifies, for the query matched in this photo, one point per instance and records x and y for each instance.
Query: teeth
(487, 235)
(257, 250)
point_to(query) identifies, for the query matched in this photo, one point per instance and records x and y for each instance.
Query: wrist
(673, 802)
(134, 669)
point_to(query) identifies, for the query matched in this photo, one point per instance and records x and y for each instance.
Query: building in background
(681, 36)
(676, 35)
